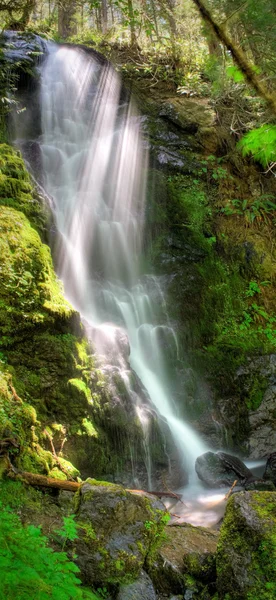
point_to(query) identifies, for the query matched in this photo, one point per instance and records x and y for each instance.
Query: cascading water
(95, 168)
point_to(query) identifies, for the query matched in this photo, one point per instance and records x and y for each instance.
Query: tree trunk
(104, 16)
(212, 41)
(133, 40)
(43, 481)
(66, 13)
(238, 56)
(26, 13)
(153, 11)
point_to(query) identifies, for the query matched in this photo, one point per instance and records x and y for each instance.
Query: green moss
(80, 386)
(30, 294)
(253, 546)
(17, 496)
(16, 190)
(256, 392)
(89, 533)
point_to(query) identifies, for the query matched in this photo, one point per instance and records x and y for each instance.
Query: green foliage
(189, 207)
(261, 144)
(30, 569)
(69, 530)
(254, 210)
(235, 73)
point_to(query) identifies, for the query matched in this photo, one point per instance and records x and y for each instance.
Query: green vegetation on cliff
(44, 359)
(30, 568)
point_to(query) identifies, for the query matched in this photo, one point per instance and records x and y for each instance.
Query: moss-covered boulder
(118, 530)
(220, 469)
(246, 555)
(187, 114)
(185, 561)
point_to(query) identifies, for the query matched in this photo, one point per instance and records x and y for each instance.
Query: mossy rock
(30, 293)
(187, 553)
(16, 189)
(117, 531)
(246, 554)
(19, 424)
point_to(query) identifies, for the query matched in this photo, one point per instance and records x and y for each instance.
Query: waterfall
(94, 161)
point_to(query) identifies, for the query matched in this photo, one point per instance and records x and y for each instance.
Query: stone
(141, 589)
(260, 485)
(247, 546)
(262, 438)
(117, 530)
(258, 379)
(187, 114)
(187, 552)
(270, 468)
(22, 47)
(220, 469)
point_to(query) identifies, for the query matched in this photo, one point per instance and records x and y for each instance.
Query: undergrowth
(30, 569)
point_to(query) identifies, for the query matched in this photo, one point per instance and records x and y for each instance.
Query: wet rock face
(22, 49)
(247, 418)
(221, 469)
(262, 402)
(245, 565)
(187, 552)
(117, 530)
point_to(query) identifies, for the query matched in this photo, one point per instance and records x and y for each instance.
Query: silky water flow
(94, 164)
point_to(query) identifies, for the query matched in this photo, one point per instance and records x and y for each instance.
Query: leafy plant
(261, 209)
(261, 144)
(30, 570)
(69, 530)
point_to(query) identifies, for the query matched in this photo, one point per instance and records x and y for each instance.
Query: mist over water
(95, 169)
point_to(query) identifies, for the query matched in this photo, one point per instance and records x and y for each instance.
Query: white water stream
(95, 169)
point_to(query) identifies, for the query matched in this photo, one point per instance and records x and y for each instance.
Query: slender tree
(239, 56)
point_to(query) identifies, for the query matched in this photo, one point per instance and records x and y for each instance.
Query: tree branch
(238, 56)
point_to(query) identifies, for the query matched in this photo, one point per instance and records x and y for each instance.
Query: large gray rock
(186, 552)
(246, 420)
(262, 440)
(117, 530)
(220, 469)
(247, 547)
(187, 114)
(258, 378)
(22, 48)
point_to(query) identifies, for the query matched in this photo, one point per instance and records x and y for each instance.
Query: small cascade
(95, 169)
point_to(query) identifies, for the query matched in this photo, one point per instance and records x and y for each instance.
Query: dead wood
(72, 486)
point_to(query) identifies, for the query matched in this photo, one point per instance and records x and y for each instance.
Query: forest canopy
(202, 47)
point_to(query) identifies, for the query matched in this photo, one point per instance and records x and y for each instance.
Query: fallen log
(44, 481)
(70, 486)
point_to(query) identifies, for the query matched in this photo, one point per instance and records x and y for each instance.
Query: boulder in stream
(117, 531)
(221, 469)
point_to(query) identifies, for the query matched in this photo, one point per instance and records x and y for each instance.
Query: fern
(261, 144)
(30, 570)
